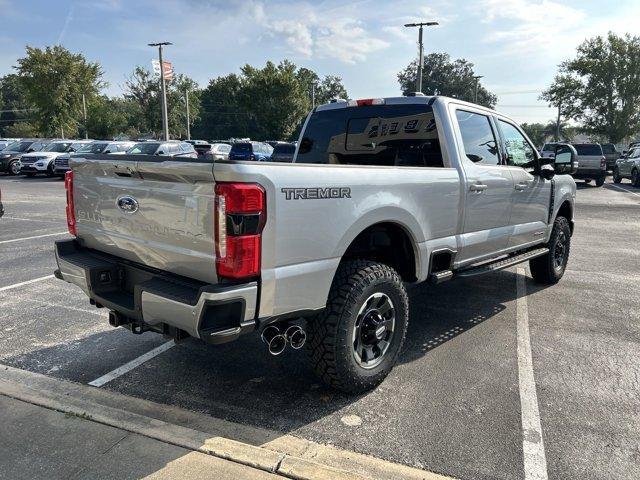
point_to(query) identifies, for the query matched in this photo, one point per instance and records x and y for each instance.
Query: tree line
(598, 91)
(51, 88)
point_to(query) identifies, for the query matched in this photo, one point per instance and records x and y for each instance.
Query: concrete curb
(284, 455)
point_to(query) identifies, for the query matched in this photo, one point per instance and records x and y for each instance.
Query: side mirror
(547, 172)
(160, 153)
(566, 160)
(29, 150)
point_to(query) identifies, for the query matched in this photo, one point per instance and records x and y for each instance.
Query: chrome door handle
(521, 186)
(477, 187)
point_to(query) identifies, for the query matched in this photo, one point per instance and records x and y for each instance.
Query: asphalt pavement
(452, 405)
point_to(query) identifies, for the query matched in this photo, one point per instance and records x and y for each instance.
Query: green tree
(222, 116)
(536, 132)
(143, 88)
(109, 117)
(54, 80)
(326, 89)
(14, 107)
(600, 87)
(276, 99)
(21, 129)
(443, 76)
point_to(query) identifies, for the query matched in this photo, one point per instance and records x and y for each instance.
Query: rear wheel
(635, 178)
(600, 181)
(355, 342)
(549, 268)
(616, 176)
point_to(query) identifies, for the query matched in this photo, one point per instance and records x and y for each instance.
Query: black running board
(501, 264)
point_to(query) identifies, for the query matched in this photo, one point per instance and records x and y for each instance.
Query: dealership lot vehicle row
(459, 373)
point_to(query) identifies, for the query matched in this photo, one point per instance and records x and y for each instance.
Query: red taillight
(71, 213)
(240, 216)
(364, 101)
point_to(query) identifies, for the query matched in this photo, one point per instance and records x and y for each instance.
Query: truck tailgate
(157, 213)
(590, 162)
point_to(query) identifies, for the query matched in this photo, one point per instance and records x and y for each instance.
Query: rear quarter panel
(304, 239)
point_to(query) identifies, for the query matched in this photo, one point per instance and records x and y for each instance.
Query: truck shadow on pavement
(241, 382)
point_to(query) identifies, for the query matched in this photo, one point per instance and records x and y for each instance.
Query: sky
(515, 44)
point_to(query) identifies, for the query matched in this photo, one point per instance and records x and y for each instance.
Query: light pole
(186, 98)
(475, 95)
(420, 49)
(84, 112)
(163, 88)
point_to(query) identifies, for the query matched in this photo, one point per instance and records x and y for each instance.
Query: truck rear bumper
(589, 173)
(159, 301)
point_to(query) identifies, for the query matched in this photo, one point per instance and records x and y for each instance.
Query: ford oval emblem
(127, 204)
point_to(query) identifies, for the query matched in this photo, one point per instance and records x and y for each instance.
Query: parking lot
(453, 403)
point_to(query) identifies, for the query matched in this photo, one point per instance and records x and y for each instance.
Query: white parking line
(31, 238)
(624, 190)
(535, 462)
(16, 285)
(127, 367)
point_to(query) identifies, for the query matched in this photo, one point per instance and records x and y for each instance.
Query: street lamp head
(421, 24)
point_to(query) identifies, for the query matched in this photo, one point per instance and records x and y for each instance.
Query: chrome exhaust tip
(296, 337)
(274, 339)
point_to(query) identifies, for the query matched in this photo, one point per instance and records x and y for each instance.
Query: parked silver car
(628, 167)
(213, 151)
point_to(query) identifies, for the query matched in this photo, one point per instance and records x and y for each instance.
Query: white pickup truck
(382, 192)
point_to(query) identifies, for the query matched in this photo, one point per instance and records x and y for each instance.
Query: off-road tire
(635, 178)
(600, 181)
(331, 332)
(617, 178)
(544, 269)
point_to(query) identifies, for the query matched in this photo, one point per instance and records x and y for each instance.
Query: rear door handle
(477, 187)
(521, 186)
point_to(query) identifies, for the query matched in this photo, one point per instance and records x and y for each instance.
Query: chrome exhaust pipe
(274, 339)
(296, 337)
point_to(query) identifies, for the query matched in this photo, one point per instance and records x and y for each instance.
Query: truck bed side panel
(305, 237)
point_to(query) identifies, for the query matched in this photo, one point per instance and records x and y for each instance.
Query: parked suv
(10, 155)
(628, 167)
(283, 152)
(213, 151)
(43, 161)
(592, 164)
(258, 151)
(168, 149)
(611, 155)
(382, 192)
(61, 164)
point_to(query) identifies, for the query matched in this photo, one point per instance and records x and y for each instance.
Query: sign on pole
(155, 64)
(167, 70)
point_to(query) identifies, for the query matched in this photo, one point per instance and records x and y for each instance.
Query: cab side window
(480, 145)
(519, 151)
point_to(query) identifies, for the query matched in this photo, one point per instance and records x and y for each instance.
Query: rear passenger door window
(478, 137)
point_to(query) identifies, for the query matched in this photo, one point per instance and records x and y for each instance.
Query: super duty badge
(316, 193)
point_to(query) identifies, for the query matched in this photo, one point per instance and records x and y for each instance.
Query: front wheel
(600, 181)
(617, 178)
(14, 168)
(549, 268)
(355, 341)
(635, 178)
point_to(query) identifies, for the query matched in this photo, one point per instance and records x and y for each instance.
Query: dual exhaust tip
(277, 338)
